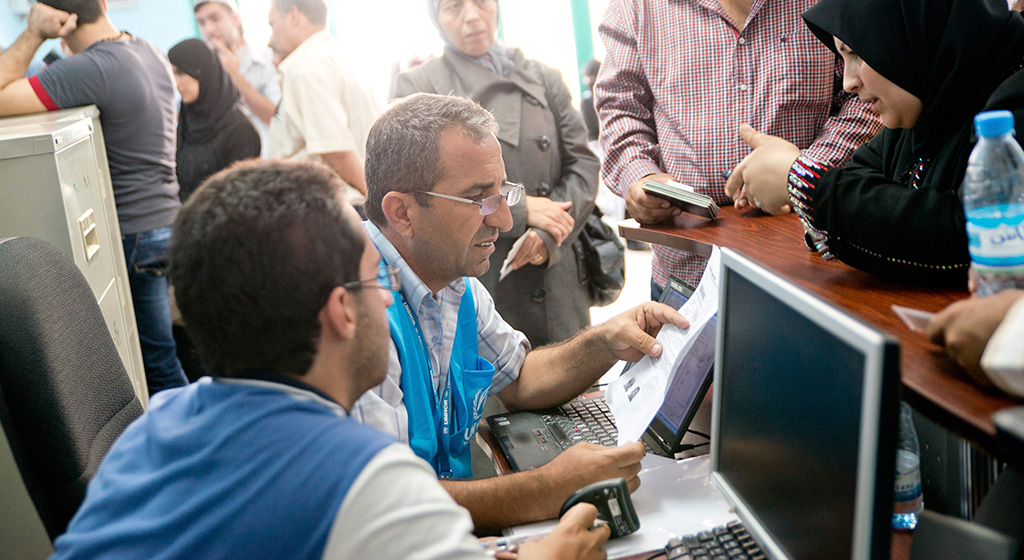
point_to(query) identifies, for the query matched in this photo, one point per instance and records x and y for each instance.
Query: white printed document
(635, 397)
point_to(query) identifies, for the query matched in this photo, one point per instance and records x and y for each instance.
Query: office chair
(941, 536)
(64, 393)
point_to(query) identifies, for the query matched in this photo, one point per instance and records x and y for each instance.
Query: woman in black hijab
(926, 67)
(213, 132)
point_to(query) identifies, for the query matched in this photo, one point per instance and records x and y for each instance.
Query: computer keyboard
(587, 420)
(731, 542)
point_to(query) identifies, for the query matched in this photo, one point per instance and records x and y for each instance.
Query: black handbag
(604, 258)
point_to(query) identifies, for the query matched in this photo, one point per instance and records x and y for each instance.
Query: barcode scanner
(614, 506)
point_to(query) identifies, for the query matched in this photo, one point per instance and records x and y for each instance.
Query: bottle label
(908, 477)
(995, 236)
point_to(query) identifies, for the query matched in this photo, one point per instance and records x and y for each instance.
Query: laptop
(804, 425)
(531, 439)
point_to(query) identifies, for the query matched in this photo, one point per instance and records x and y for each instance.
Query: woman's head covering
(951, 54)
(211, 112)
(497, 59)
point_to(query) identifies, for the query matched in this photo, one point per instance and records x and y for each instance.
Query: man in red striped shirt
(679, 78)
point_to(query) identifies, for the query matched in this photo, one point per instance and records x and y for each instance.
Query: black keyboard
(587, 420)
(731, 542)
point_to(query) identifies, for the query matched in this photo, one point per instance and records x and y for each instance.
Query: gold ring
(538, 257)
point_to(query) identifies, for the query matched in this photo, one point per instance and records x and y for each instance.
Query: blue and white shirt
(241, 468)
(382, 407)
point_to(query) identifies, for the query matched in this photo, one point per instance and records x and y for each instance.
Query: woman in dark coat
(544, 146)
(926, 68)
(213, 132)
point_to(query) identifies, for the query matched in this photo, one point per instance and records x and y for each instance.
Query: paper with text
(635, 397)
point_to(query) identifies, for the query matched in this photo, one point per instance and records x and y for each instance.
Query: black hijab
(213, 111)
(951, 54)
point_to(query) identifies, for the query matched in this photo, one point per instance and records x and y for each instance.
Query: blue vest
(441, 427)
(222, 470)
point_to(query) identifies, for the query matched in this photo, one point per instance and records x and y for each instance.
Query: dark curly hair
(255, 253)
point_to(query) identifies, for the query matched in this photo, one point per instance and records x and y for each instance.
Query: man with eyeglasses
(282, 293)
(437, 198)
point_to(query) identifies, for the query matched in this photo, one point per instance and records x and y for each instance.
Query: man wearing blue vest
(286, 300)
(437, 198)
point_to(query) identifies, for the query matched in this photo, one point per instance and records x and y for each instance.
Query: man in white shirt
(438, 197)
(285, 298)
(326, 111)
(250, 67)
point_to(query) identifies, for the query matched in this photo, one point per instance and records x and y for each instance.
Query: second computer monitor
(804, 422)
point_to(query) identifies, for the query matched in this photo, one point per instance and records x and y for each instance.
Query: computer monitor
(804, 419)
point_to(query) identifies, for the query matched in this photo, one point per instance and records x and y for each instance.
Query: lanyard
(444, 463)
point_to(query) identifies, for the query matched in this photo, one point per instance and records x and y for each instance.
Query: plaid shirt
(383, 406)
(678, 79)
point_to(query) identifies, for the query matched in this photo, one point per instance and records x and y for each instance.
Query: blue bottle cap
(993, 123)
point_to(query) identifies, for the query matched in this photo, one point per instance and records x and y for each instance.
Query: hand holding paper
(635, 397)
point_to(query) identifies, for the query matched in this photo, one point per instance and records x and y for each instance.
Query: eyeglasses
(490, 204)
(388, 278)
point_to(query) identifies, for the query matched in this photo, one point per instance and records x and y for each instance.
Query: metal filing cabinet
(55, 185)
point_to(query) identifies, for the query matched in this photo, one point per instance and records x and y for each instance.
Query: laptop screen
(689, 383)
(800, 392)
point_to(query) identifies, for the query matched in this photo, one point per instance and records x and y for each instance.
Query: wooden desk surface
(932, 382)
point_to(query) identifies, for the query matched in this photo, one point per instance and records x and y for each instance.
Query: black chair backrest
(940, 536)
(64, 393)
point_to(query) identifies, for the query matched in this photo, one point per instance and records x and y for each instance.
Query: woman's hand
(761, 179)
(532, 251)
(550, 216)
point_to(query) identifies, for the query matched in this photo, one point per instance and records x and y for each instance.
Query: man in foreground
(285, 297)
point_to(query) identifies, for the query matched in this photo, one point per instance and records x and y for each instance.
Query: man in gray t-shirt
(131, 83)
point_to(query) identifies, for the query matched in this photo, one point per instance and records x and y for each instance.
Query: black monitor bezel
(875, 478)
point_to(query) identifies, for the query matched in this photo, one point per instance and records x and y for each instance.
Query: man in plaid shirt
(679, 78)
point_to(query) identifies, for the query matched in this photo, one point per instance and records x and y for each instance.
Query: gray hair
(403, 152)
(315, 10)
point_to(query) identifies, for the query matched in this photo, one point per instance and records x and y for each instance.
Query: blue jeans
(146, 256)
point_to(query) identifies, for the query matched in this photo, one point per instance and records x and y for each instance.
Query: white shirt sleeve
(396, 508)
(1003, 359)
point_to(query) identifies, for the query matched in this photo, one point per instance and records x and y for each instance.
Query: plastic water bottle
(993, 195)
(907, 500)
